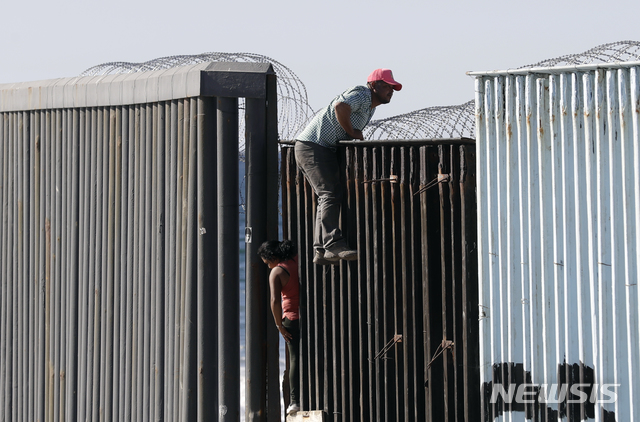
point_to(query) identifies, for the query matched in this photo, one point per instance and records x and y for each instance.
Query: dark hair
(274, 249)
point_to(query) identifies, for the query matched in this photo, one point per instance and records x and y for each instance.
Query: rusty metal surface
(372, 329)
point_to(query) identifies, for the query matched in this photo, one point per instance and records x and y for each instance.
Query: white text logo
(552, 393)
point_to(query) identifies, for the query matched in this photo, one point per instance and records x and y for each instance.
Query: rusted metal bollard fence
(393, 335)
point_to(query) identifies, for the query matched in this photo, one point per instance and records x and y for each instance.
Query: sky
(331, 45)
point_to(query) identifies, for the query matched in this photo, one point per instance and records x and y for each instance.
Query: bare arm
(343, 113)
(275, 285)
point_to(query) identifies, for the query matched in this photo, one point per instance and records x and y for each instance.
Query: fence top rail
(398, 142)
(215, 79)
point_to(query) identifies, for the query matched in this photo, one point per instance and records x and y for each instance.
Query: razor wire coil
(294, 111)
(437, 122)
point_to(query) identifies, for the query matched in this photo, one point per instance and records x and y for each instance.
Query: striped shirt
(324, 128)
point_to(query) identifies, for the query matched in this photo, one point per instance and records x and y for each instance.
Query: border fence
(558, 201)
(393, 335)
(119, 203)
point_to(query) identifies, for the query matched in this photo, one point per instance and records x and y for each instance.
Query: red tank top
(291, 292)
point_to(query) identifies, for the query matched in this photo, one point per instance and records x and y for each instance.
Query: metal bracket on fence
(445, 345)
(396, 339)
(392, 178)
(440, 179)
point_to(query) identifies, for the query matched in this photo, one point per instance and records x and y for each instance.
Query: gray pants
(320, 167)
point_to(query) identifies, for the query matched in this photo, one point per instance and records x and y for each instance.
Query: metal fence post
(256, 275)
(228, 262)
(273, 336)
(207, 263)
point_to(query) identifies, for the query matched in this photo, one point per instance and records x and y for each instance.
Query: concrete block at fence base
(306, 416)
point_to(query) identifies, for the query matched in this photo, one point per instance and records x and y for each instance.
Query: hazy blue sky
(331, 45)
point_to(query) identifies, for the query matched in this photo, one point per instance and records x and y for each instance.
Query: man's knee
(330, 198)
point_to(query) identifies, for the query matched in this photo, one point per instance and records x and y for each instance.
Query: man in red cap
(315, 152)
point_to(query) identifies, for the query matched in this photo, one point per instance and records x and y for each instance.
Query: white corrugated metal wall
(558, 164)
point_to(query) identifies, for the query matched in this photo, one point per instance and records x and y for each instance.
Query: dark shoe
(337, 253)
(319, 259)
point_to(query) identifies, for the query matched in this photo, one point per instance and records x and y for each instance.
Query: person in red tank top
(282, 260)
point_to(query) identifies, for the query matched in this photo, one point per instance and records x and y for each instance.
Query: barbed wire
(293, 103)
(620, 51)
(294, 111)
(459, 120)
(428, 123)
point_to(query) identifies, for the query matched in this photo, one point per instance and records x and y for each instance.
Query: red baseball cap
(386, 76)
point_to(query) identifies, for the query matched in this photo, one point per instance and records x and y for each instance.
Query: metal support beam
(207, 262)
(273, 189)
(228, 262)
(256, 275)
(262, 357)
